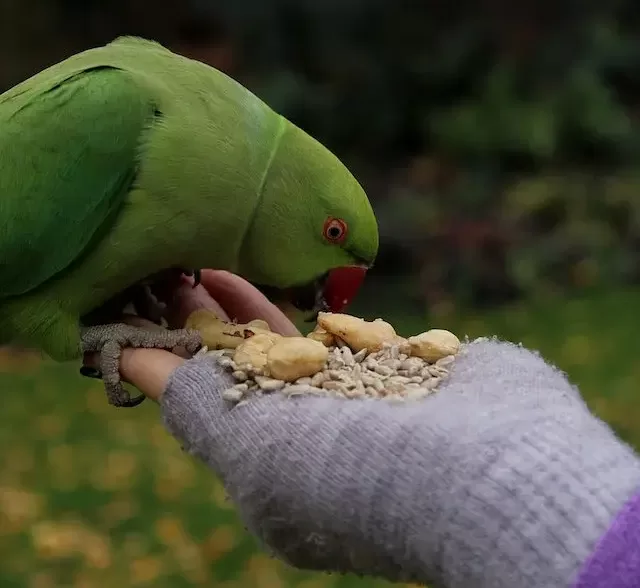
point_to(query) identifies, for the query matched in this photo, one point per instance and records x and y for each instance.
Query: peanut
(292, 358)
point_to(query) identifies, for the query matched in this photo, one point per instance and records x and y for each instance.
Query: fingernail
(90, 372)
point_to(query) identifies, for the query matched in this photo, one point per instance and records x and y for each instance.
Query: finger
(244, 302)
(136, 357)
(188, 299)
(149, 370)
(93, 359)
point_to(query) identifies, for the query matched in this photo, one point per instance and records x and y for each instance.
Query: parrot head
(313, 234)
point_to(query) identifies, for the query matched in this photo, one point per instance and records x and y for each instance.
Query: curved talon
(133, 402)
(90, 372)
(197, 277)
(109, 340)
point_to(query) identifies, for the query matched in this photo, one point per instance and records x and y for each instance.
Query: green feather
(128, 159)
(68, 153)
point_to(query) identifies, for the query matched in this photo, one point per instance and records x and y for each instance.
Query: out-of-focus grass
(92, 496)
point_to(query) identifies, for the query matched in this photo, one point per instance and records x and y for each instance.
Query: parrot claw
(89, 372)
(110, 340)
(197, 276)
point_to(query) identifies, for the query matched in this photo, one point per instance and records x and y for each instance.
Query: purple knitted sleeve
(615, 562)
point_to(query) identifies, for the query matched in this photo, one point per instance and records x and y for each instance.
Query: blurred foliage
(497, 141)
(96, 497)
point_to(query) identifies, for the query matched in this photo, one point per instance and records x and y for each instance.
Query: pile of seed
(387, 374)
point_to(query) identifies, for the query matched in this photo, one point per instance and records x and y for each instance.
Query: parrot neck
(242, 254)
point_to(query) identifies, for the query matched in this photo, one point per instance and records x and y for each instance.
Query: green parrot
(125, 164)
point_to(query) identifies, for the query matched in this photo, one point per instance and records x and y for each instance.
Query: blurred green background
(499, 144)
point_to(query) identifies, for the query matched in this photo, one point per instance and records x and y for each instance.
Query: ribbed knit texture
(502, 479)
(615, 562)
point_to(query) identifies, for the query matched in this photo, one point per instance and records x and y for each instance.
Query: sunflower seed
(317, 379)
(269, 384)
(240, 375)
(233, 395)
(358, 357)
(389, 374)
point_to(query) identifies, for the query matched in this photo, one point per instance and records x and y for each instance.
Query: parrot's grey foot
(110, 340)
(197, 276)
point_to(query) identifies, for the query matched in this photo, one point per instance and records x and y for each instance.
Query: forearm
(346, 490)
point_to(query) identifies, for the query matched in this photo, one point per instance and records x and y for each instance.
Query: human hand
(502, 478)
(228, 295)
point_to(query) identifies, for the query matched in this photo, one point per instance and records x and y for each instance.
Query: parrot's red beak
(342, 285)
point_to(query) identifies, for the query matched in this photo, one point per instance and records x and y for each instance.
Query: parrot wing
(68, 154)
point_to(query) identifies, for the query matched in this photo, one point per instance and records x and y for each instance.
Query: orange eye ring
(335, 230)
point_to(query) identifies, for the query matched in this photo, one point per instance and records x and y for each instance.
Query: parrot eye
(335, 230)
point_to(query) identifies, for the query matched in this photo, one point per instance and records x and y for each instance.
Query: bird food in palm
(344, 356)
